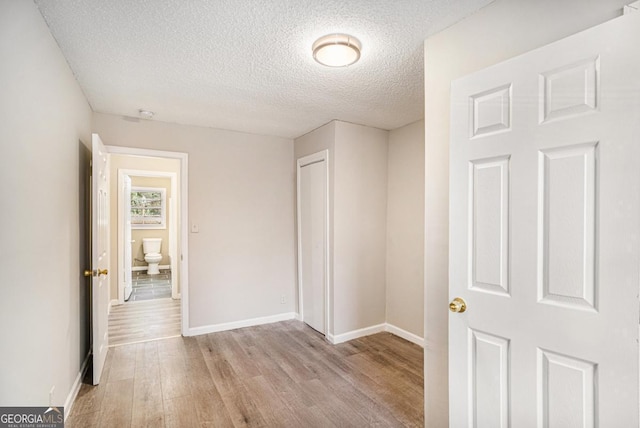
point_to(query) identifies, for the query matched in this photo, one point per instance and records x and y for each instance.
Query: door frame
(183, 233)
(171, 224)
(322, 156)
(123, 207)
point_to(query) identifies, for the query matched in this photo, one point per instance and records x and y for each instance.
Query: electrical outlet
(195, 228)
(51, 391)
(283, 300)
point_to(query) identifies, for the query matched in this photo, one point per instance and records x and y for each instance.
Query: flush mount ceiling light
(336, 50)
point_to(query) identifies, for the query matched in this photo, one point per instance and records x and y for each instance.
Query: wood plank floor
(276, 375)
(146, 320)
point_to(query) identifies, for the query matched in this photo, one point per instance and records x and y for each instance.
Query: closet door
(312, 242)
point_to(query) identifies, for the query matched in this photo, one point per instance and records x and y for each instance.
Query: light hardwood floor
(277, 375)
(140, 321)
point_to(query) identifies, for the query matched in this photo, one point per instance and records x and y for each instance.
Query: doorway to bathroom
(148, 202)
(148, 234)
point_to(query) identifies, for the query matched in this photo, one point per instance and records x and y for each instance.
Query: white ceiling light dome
(336, 50)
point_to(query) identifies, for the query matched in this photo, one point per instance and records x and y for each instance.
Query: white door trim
(322, 156)
(173, 232)
(183, 248)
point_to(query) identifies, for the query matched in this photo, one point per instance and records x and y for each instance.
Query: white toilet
(151, 248)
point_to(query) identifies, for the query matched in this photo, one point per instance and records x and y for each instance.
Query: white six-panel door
(99, 255)
(544, 236)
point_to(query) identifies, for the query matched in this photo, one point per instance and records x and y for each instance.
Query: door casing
(183, 249)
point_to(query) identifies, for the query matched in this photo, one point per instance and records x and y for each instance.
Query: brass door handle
(96, 272)
(458, 305)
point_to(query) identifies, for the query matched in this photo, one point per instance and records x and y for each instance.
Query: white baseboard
(413, 338)
(195, 331)
(350, 335)
(145, 268)
(75, 388)
(335, 339)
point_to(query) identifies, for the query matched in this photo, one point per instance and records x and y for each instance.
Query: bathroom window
(148, 208)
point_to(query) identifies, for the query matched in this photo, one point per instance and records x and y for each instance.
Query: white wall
(241, 195)
(357, 216)
(405, 228)
(360, 223)
(322, 138)
(500, 31)
(46, 121)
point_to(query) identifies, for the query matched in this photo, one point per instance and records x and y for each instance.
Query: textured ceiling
(246, 65)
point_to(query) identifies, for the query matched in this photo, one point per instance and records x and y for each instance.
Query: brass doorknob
(97, 272)
(458, 305)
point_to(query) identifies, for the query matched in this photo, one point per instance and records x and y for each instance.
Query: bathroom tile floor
(149, 287)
